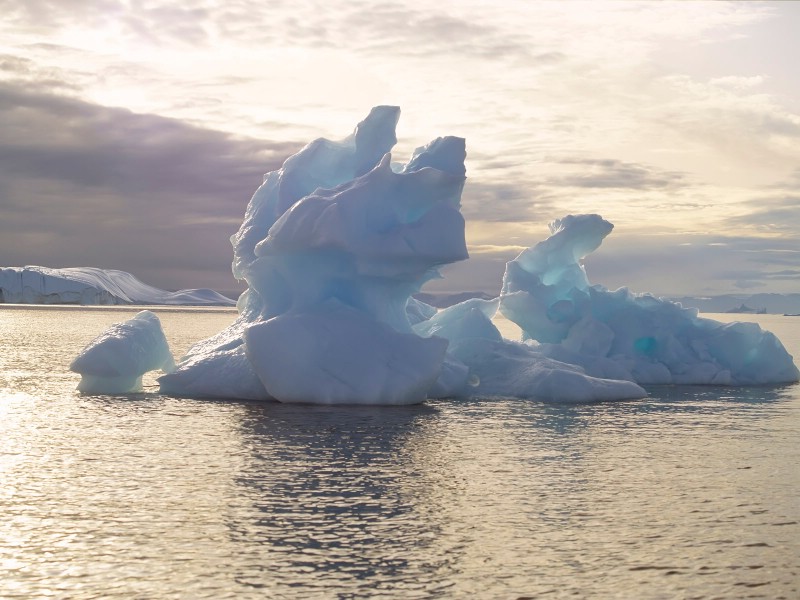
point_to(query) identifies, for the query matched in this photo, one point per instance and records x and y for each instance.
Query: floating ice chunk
(335, 242)
(114, 362)
(624, 335)
(338, 355)
(454, 381)
(216, 367)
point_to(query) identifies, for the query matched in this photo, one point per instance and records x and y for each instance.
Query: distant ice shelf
(92, 286)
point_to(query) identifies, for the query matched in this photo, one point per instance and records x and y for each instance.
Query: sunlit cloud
(659, 115)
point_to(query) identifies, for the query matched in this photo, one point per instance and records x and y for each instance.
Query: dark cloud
(86, 185)
(483, 272)
(506, 202)
(612, 173)
(777, 215)
(17, 65)
(757, 275)
(18, 69)
(664, 265)
(672, 265)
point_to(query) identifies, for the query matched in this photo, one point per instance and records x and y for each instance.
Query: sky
(133, 132)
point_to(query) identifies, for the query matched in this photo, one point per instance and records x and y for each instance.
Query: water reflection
(689, 493)
(724, 394)
(336, 500)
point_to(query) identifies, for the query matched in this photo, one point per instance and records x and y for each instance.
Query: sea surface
(693, 492)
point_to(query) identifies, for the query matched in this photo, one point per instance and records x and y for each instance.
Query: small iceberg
(114, 362)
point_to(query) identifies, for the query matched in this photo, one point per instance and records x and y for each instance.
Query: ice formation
(332, 246)
(114, 362)
(89, 286)
(335, 242)
(500, 367)
(624, 335)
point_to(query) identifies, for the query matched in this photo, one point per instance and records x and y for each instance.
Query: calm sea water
(691, 493)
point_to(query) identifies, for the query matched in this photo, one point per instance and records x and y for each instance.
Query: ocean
(689, 493)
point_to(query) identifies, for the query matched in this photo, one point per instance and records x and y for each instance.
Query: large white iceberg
(335, 242)
(625, 335)
(332, 246)
(114, 362)
(90, 286)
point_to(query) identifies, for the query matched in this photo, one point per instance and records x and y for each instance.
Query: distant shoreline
(119, 307)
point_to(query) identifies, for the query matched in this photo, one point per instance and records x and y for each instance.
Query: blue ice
(625, 335)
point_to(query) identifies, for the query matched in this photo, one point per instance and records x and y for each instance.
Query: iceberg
(114, 362)
(332, 246)
(625, 335)
(335, 243)
(92, 286)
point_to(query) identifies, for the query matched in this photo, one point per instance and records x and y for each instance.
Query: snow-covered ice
(90, 286)
(114, 362)
(334, 243)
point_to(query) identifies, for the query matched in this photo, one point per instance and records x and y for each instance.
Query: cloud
(775, 212)
(86, 185)
(140, 21)
(390, 27)
(613, 173)
(687, 264)
(409, 29)
(606, 109)
(738, 82)
(734, 121)
(506, 202)
(775, 215)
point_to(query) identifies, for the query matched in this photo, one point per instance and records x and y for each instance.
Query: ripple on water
(690, 493)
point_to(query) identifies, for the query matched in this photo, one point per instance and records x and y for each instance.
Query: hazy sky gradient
(135, 131)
